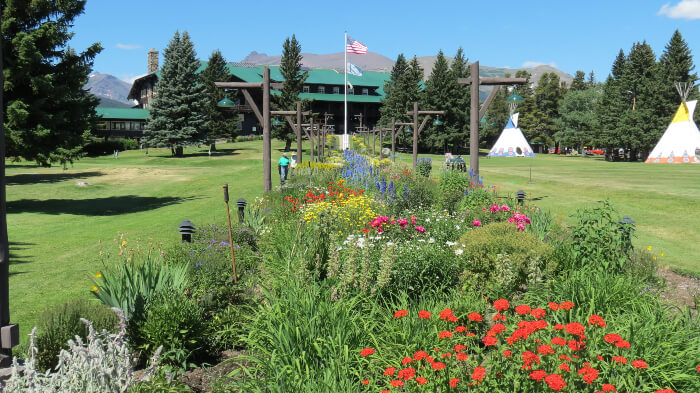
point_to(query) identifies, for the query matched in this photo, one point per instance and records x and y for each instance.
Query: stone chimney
(152, 60)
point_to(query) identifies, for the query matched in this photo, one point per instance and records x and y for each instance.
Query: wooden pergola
(476, 113)
(417, 129)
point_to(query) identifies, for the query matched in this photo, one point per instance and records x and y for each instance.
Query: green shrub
(130, 285)
(161, 382)
(420, 193)
(501, 259)
(100, 147)
(475, 198)
(425, 166)
(59, 324)
(176, 322)
(599, 240)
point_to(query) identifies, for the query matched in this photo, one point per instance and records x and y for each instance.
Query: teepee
(681, 139)
(512, 142)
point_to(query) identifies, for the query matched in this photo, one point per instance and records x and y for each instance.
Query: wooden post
(267, 147)
(381, 143)
(474, 120)
(415, 135)
(374, 143)
(5, 348)
(298, 130)
(311, 139)
(393, 139)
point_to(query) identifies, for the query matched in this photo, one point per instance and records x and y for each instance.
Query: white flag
(354, 70)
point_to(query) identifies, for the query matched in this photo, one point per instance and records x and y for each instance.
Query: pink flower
(505, 208)
(402, 222)
(494, 208)
(420, 229)
(476, 223)
(520, 226)
(413, 220)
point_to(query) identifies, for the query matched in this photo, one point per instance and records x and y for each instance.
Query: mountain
(376, 62)
(110, 103)
(108, 86)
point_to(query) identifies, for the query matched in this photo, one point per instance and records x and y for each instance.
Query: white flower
(449, 243)
(421, 240)
(457, 226)
(339, 248)
(431, 240)
(427, 219)
(390, 244)
(459, 251)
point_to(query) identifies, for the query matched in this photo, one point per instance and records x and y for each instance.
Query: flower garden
(362, 276)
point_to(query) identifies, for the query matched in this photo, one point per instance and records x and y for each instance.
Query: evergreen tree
(392, 103)
(178, 115)
(619, 65)
(676, 66)
(410, 85)
(438, 95)
(541, 109)
(591, 80)
(577, 117)
(48, 114)
(642, 127)
(579, 82)
(294, 79)
(496, 117)
(219, 124)
(612, 105)
(457, 119)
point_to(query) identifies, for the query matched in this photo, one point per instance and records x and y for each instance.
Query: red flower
(478, 373)
(589, 374)
(622, 344)
(612, 338)
(499, 317)
(566, 305)
(400, 313)
(452, 318)
(496, 329)
(619, 359)
(406, 360)
(454, 382)
(445, 334)
(565, 367)
(538, 313)
(501, 305)
(522, 309)
(385, 391)
(558, 326)
(553, 306)
(366, 352)
(422, 314)
(697, 369)
(475, 317)
(538, 375)
(446, 355)
(407, 373)
(420, 355)
(460, 329)
(462, 357)
(421, 380)
(596, 320)
(607, 387)
(507, 353)
(365, 381)
(489, 340)
(390, 371)
(438, 365)
(576, 345)
(665, 391)
(528, 358)
(575, 328)
(446, 313)
(396, 383)
(545, 349)
(558, 341)
(564, 357)
(555, 382)
(459, 348)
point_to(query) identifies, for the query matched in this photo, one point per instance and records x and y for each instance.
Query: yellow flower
(648, 248)
(94, 288)
(654, 258)
(662, 254)
(98, 275)
(123, 243)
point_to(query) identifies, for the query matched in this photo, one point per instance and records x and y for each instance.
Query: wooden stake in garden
(475, 114)
(230, 235)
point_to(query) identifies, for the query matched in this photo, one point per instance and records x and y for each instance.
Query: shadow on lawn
(110, 206)
(18, 255)
(216, 153)
(35, 178)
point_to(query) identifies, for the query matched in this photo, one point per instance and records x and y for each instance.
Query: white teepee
(512, 142)
(678, 144)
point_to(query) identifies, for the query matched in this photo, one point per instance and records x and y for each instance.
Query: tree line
(630, 109)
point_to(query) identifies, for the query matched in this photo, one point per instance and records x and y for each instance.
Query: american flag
(355, 46)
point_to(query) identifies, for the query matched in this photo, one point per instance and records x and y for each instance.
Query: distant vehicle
(595, 152)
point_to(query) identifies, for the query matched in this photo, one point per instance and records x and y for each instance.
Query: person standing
(292, 165)
(283, 167)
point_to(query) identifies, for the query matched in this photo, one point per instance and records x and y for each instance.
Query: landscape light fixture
(408, 130)
(276, 122)
(241, 203)
(437, 122)
(186, 230)
(520, 196)
(226, 103)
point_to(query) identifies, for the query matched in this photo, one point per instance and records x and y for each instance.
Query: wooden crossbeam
(486, 104)
(253, 105)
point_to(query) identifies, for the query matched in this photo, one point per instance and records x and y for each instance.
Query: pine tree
(579, 82)
(437, 96)
(48, 113)
(541, 109)
(294, 79)
(393, 101)
(591, 80)
(178, 115)
(676, 65)
(457, 119)
(577, 117)
(410, 85)
(220, 124)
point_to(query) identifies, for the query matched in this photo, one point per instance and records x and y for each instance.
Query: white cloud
(128, 46)
(129, 78)
(685, 9)
(531, 64)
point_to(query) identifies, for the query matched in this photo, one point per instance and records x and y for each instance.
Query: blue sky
(569, 35)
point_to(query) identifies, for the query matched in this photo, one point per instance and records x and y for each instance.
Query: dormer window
(305, 89)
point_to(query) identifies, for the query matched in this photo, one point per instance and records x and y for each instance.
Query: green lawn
(55, 227)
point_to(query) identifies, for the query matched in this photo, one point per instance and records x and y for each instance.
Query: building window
(351, 91)
(365, 92)
(117, 125)
(102, 125)
(305, 89)
(336, 90)
(322, 89)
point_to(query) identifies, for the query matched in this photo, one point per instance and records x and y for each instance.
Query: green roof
(123, 113)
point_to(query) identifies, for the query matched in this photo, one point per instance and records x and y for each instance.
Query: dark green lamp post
(437, 122)
(276, 123)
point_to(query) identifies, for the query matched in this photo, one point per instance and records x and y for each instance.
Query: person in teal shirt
(283, 167)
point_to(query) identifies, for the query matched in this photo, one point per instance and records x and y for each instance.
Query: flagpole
(345, 88)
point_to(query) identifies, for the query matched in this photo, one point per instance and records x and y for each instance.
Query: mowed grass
(57, 229)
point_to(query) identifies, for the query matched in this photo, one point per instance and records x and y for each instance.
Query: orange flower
(366, 352)
(422, 314)
(400, 313)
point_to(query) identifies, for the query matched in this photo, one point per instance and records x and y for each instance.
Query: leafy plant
(62, 323)
(425, 166)
(130, 285)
